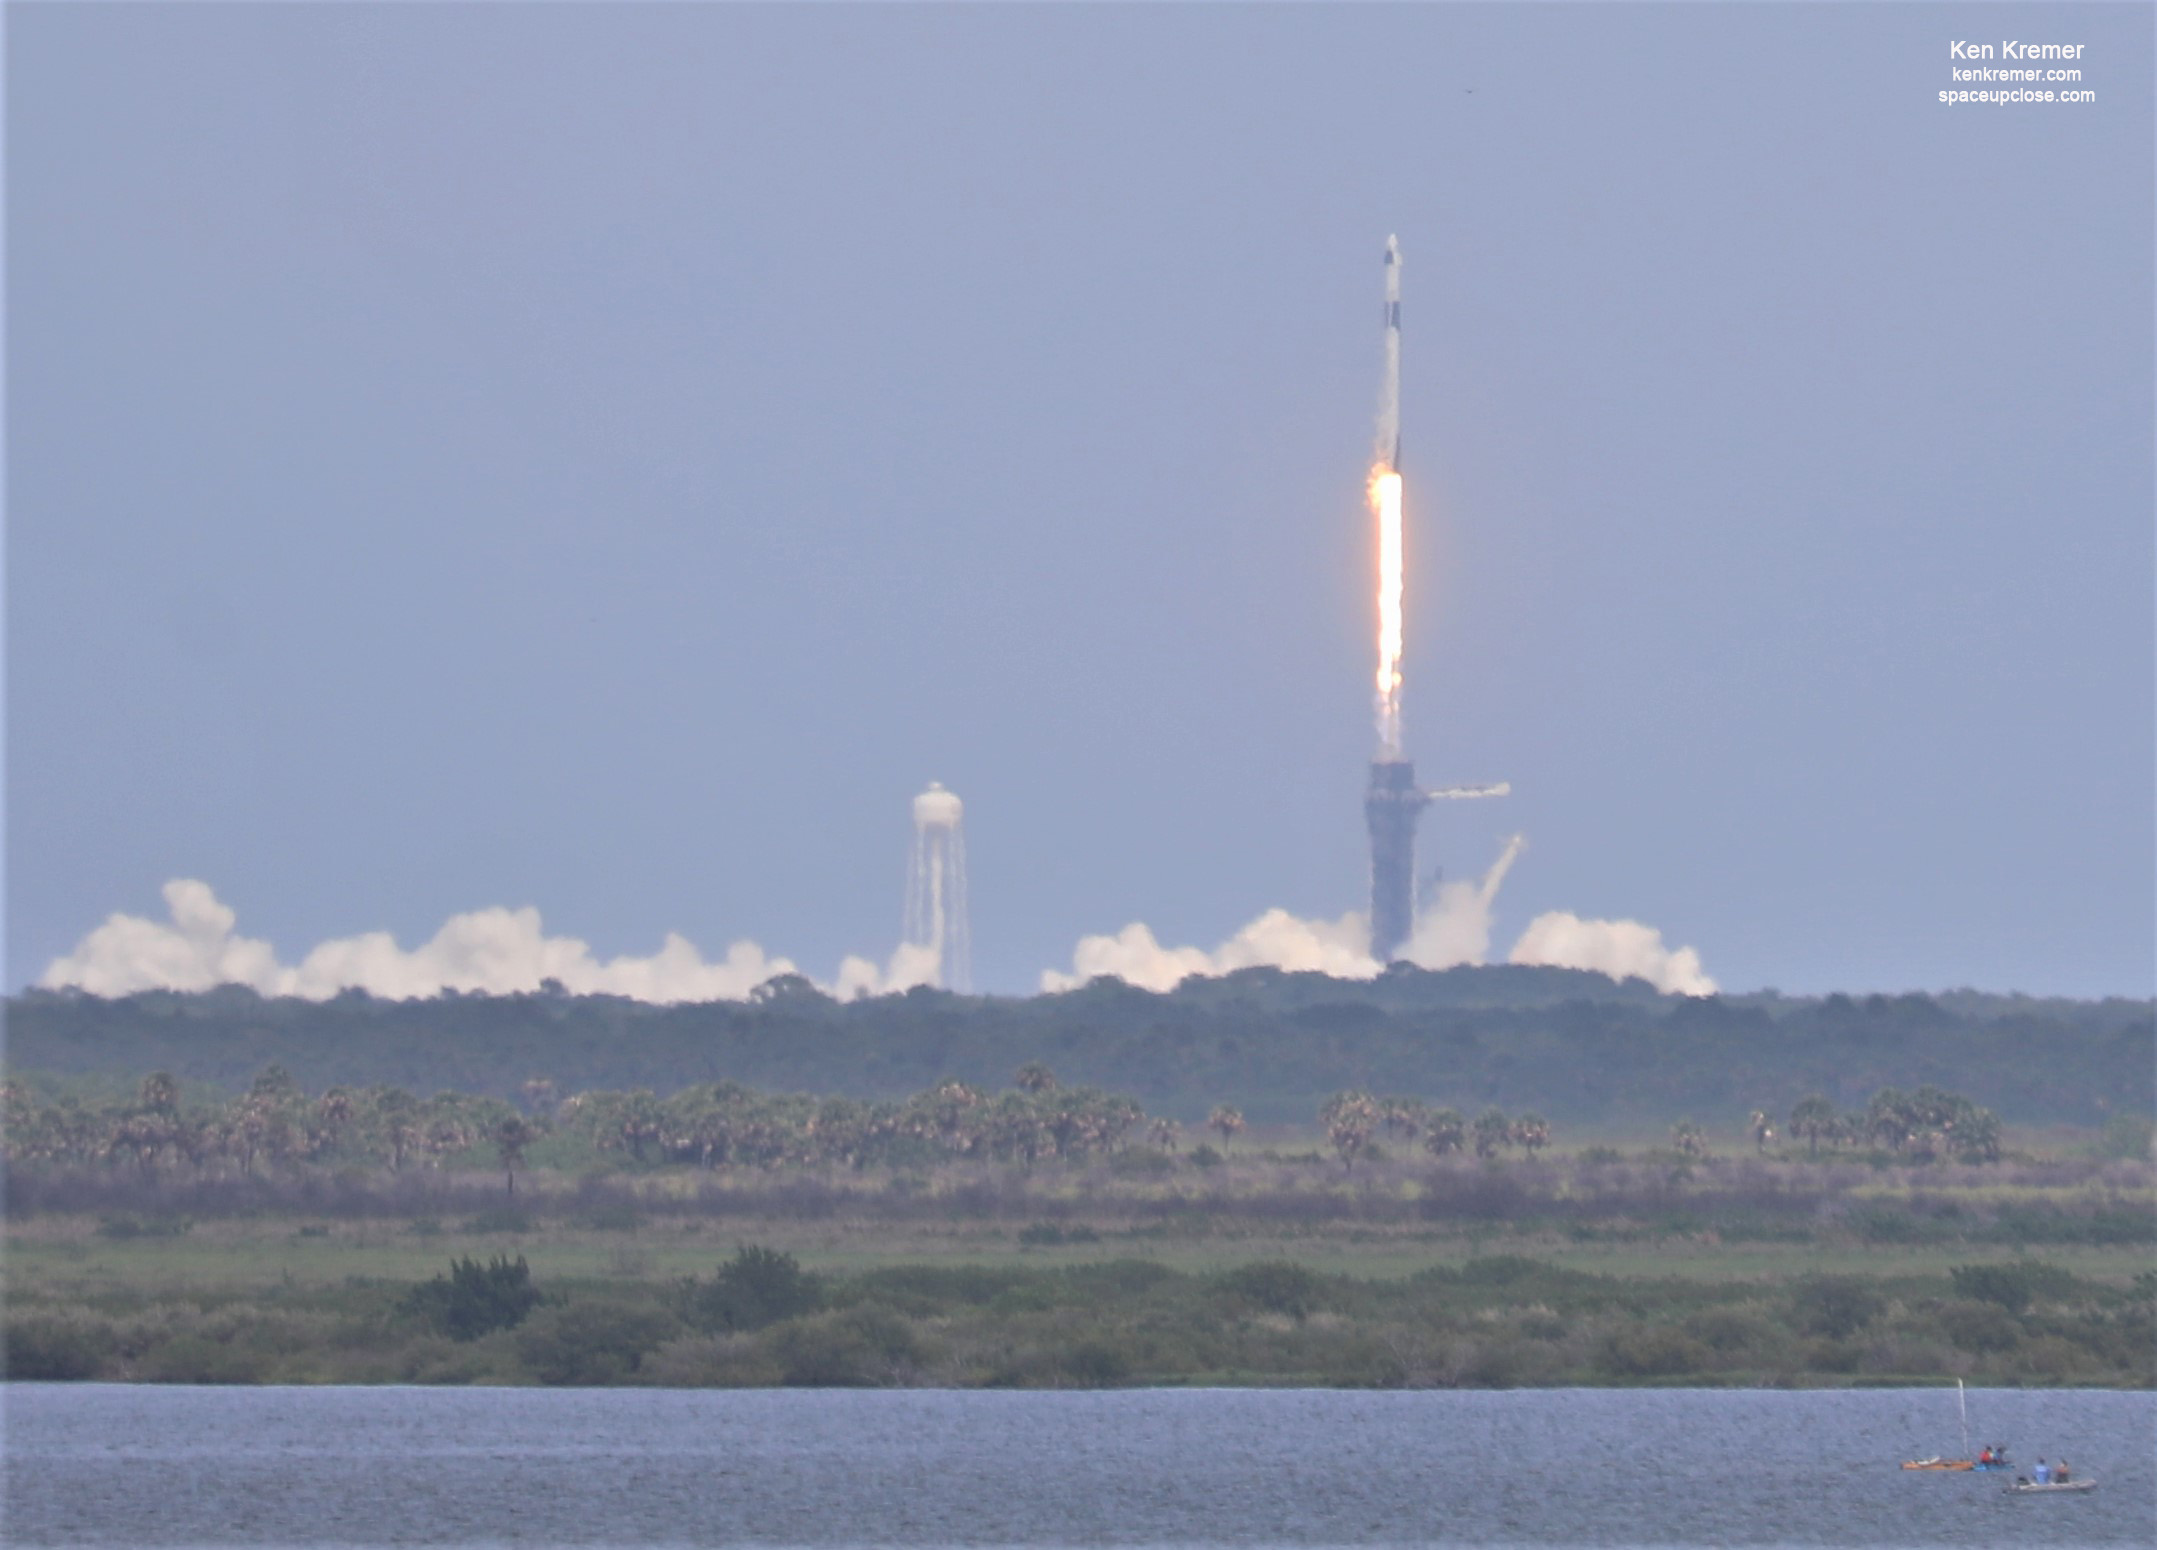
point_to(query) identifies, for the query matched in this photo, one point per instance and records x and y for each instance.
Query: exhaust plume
(1385, 499)
(495, 951)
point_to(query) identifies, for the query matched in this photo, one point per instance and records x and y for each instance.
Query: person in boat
(1985, 1457)
(2059, 1473)
(2044, 1473)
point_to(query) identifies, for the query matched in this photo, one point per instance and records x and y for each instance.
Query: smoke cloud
(1619, 948)
(1454, 929)
(505, 952)
(498, 951)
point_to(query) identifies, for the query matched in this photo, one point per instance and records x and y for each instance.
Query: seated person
(2059, 1473)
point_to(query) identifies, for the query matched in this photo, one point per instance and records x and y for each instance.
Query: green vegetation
(1577, 1047)
(1048, 1235)
(1492, 1321)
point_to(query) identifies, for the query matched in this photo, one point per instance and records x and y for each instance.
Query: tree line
(1578, 1048)
(275, 1126)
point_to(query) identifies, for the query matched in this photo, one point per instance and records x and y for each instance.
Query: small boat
(2032, 1488)
(1962, 1407)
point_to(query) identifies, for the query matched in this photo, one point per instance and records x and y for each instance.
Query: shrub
(49, 1350)
(1276, 1286)
(1652, 1352)
(585, 1343)
(1096, 1364)
(199, 1359)
(1980, 1326)
(475, 1299)
(1118, 1277)
(1733, 1331)
(2011, 1286)
(1834, 1306)
(758, 1286)
(862, 1347)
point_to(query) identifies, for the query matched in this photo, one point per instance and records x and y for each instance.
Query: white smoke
(912, 964)
(497, 951)
(505, 952)
(1454, 929)
(1276, 939)
(1621, 949)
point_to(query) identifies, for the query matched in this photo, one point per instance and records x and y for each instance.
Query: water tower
(936, 888)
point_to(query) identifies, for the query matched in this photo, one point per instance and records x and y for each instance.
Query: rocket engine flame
(1385, 498)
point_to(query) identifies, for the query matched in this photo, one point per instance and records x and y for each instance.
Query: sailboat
(1962, 1406)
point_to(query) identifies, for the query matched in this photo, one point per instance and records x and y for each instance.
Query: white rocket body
(1389, 391)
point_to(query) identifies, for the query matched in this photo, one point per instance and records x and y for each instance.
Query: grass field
(57, 1255)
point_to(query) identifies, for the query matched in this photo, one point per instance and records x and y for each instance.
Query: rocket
(1388, 454)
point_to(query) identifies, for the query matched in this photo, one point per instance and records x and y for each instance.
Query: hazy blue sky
(609, 458)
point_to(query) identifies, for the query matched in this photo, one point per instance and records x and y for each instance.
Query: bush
(49, 1350)
(1096, 1364)
(862, 1347)
(2014, 1286)
(587, 1343)
(1653, 1352)
(1980, 1326)
(1733, 1332)
(199, 1359)
(1275, 1286)
(758, 1286)
(1834, 1306)
(475, 1299)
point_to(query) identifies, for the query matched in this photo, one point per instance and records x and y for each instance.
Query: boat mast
(1963, 1404)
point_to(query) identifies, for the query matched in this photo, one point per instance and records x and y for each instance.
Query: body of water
(156, 1466)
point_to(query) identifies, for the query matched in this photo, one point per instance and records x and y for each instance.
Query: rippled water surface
(101, 1465)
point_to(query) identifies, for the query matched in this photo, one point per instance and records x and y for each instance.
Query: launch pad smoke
(509, 951)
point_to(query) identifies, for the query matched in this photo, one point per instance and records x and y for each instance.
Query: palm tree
(512, 1134)
(1349, 1118)
(1226, 1119)
(1493, 1131)
(1813, 1118)
(1034, 1077)
(1163, 1133)
(1403, 1117)
(1762, 1128)
(1689, 1139)
(160, 1093)
(1531, 1133)
(397, 1113)
(1444, 1132)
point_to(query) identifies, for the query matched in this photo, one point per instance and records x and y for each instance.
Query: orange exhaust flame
(1385, 499)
